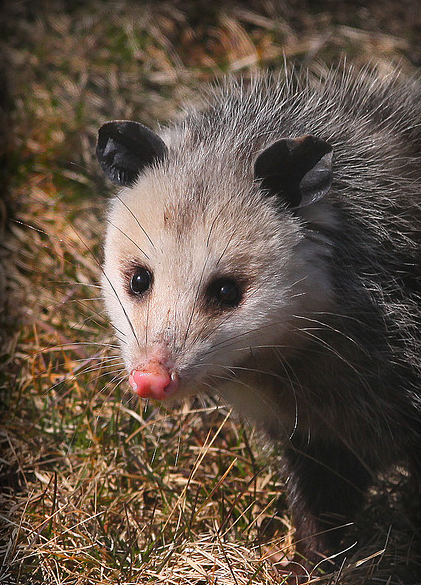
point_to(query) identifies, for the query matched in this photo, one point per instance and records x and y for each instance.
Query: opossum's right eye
(224, 292)
(140, 281)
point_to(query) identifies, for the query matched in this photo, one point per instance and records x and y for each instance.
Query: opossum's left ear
(125, 148)
(297, 169)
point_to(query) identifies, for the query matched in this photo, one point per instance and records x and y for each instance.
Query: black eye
(140, 281)
(226, 292)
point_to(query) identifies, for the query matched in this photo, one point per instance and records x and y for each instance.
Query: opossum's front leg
(326, 484)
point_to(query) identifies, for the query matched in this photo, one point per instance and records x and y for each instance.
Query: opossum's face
(201, 272)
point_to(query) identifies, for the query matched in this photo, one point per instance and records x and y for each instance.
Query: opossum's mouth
(156, 383)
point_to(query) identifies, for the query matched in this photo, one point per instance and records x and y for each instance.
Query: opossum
(267, 247)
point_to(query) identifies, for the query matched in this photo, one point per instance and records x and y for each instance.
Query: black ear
(297, 169)
(124, 149)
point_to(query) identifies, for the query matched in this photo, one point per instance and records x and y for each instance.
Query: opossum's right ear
(299, 170)
(125, 148)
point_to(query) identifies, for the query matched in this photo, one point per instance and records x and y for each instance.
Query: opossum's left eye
(225, 292)
(140, 281)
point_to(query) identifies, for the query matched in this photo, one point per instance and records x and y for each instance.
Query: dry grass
(96, 488)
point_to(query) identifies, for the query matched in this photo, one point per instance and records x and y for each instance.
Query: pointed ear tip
(115, 125)
(106, 124)
(104, 131)
(297, 169)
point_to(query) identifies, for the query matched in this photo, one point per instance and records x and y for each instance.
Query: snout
(154, 381)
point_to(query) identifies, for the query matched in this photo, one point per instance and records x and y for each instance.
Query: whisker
(98, 264)
(74, 283)
(129, 238)
(58, 239)
(325, 325)
(224, 250)
(72, 345)
(102, 366)
(222, 209)
(136, 219)
(229, 341)
(195, 301)
(112, 288)
(329, 347)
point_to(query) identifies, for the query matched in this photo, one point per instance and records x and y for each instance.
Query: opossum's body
(240, 257)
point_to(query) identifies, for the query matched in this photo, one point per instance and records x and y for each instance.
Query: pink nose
(156, 383)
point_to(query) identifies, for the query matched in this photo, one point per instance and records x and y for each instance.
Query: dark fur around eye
(224, 292)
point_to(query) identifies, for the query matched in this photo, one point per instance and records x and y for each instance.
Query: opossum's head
(203, 264)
